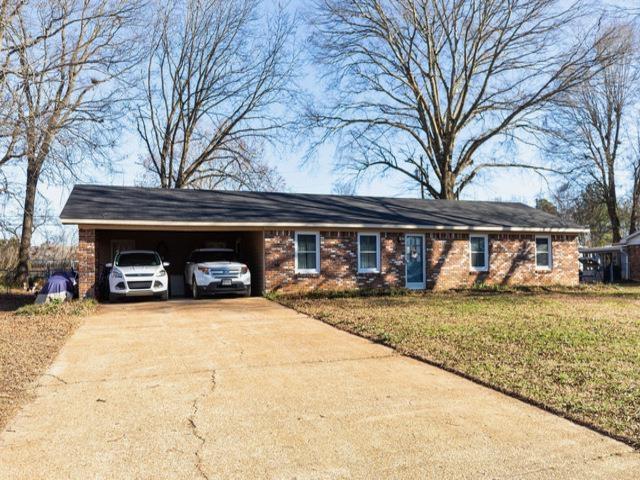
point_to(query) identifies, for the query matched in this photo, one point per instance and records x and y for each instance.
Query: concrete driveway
(249, 389)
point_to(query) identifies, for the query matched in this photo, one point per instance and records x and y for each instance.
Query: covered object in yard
(60, 286)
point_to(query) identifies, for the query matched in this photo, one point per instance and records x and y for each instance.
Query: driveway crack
(194, 426)
(61, 380)
(319, 361)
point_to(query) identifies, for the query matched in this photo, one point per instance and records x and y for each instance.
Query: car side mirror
(165, 264)
(108, 265)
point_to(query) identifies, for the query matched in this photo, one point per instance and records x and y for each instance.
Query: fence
(39, 270)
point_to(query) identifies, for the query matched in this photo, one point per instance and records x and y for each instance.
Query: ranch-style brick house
(297, 242)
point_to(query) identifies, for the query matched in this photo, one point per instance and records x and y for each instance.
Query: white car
(216, 271)
(138, 273)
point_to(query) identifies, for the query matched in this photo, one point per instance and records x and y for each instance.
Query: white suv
(216, 271)
(138, 273)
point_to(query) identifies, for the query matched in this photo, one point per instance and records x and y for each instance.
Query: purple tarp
(59, 286)
(59, 282)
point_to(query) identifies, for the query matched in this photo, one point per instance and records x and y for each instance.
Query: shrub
(58, 308)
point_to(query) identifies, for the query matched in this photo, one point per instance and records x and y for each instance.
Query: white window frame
(550, 243)
(377, 268)
(485, 267)
(307, 271)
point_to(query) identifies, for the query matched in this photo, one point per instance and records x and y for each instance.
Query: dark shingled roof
(111, 203)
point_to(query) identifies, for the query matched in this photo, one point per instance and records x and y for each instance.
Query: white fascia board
(198, 225)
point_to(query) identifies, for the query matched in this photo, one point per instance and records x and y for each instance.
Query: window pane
(368, 251)
(477, 260)
(477, 244)
(543, 252)
(223, 255)
(306, 243)
(414, 259)
(368, 260)
(415, 270)
(542, 259)
(478, 247)
(139, 259)
(542, 245)
(368, 243)
(311, 260)
(307, 261)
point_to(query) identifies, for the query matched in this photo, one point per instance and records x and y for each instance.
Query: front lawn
(30, 338)
(574, 351)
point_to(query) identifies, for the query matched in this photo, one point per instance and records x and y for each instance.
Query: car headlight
(244, 269)
(204, 270)
(117, 274)
(162, 273)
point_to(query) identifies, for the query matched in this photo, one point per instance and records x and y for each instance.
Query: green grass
(575, 351)
(57, 308)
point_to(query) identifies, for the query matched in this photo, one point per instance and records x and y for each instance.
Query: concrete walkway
(248, 389)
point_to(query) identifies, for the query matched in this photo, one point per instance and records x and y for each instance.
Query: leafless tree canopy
(591, 124)
(65, 62)
(9, 10)
(634, 220)
(217, 73)
(421, 86)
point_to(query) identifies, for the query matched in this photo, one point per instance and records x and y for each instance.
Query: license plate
(226, 282)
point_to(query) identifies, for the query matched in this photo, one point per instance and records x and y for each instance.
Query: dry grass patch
(30, 338)
(575, 351)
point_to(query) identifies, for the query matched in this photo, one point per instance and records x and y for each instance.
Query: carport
(174, 246)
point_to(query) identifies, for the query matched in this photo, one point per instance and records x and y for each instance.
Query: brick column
(87, 262)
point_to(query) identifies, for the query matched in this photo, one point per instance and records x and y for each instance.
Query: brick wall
(511, 262)
(338, 262)
(634, 262)
(86, 262)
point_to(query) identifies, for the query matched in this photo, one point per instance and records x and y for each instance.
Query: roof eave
(132, 224)
(603, 249)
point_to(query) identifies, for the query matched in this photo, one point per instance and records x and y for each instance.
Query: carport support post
(86, 262)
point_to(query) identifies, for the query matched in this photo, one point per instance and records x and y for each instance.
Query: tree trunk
(635, 204)
(614, 219)
(24, 253)
(611, 199)
(447, 182)
(633, 220)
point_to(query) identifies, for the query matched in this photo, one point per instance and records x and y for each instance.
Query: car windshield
(213, 256)
(138, 259)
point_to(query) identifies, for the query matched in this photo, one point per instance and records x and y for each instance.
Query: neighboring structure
(618, 262)
(295, 242)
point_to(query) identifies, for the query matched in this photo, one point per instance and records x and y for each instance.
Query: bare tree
(588, 127)
(583, 205)
(215, 77)
(421, 86)
(635, 200)
(9, 11)
(67, 59)
(634, 217)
